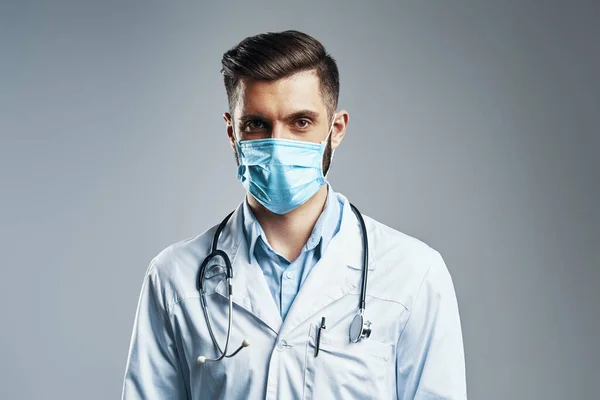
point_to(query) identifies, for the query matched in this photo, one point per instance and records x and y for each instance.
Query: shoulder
(403, 263)
(173, 271)
(183, 252)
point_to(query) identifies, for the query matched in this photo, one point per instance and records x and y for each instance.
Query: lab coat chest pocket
(344, 370)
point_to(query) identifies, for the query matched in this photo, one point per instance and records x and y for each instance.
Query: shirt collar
(325, 228)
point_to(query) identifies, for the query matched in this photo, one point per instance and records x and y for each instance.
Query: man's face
(288, 108)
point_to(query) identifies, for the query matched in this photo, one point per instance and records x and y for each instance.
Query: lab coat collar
(351, 243)
(250, 289)
(336, 273)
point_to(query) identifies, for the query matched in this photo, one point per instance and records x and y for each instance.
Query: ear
(229, 129)
(338, 132)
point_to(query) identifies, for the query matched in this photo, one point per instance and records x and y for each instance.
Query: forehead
(278, 98)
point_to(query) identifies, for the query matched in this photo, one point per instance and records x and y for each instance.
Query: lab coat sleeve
(153, 369)
(430, 361)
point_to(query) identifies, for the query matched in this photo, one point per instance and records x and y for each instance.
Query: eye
(302, 123)
(254, 124)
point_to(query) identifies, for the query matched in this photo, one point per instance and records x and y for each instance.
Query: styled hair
(275, 55)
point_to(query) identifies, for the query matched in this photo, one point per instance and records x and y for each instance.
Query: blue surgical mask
(281, 174)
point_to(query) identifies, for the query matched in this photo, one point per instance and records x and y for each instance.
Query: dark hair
(275, 55)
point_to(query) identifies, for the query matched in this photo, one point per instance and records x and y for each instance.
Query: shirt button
(289, 274)
(282, 345)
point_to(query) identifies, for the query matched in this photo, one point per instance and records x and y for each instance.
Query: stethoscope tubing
(365, 258)
(215, 252)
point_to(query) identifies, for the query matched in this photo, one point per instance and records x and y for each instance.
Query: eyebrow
(303, 114)
(295, 115)
(250, 117)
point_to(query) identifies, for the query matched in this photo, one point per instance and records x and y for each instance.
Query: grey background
(474, 126)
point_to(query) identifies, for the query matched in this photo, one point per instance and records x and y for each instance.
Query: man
(296, 251)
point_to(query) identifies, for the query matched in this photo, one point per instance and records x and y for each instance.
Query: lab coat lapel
(250, 290)
(334, 275)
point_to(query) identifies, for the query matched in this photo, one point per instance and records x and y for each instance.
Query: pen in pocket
(319, 335)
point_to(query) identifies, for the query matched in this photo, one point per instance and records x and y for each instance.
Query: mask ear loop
(235, 143)
(325, 142)
(330, 129)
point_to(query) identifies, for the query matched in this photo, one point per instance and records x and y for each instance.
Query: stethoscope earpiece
(203, 359)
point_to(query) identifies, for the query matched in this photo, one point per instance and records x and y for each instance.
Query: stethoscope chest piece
(359, 328)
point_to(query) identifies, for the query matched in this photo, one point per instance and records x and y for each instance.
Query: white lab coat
(415, 350)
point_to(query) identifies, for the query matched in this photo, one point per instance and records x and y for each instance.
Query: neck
(288, 233)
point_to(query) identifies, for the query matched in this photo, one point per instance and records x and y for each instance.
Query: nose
(280, 131)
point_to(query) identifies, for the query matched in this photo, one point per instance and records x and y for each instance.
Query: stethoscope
(359, 328)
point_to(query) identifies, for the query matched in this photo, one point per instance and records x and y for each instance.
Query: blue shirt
(284, 278)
